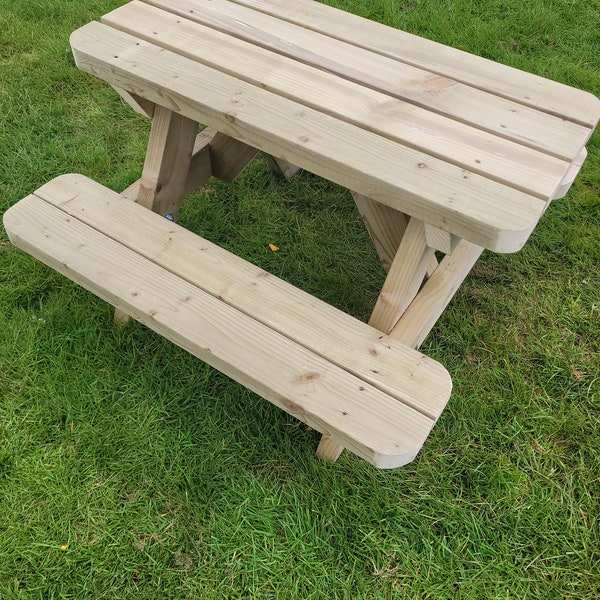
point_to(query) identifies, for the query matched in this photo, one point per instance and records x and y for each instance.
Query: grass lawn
(129, 469)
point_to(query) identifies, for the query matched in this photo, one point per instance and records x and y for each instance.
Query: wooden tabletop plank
(485, 212)
(480, 152)
(351, 344)
(528, 89)
(441, 94)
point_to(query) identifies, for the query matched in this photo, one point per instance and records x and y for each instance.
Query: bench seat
(367, 392)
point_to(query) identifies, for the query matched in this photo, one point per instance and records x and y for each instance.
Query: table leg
(228, 156)
(404, 240)
(178, 162)
(406, 275)
(281, 167)
(165, 173)
(214, 155)
(429, 304)
(168, 158)
(385, 225)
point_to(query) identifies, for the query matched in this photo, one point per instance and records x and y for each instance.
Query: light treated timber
(381, 430)
(229, 157)
(131, 191)
(432, 91)
(440, 240)
(328, 449)
(525, 88)
(569, 178)
(281, 167)
(329, 332)
(404, 278)
(199, 170)
(476, 208)
(475, 151)
(139, 104)
(214, 154)
(385, 225)
(257, 357)
(423, 313)
(168, 157)
(165, 173)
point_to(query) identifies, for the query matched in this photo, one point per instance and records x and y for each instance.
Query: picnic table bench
(445, 154)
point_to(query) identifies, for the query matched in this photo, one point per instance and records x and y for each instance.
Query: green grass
(129, 469)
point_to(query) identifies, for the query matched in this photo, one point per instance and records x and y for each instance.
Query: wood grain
(468, 205)
(506, 82)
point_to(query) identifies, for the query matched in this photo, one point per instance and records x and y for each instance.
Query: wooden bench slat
(460, 102)
(355, 414)
(480, 152)
(314, 324)
(466, 204)
(529, 90)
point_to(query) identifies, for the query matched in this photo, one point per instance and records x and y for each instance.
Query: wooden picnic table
(446, 153)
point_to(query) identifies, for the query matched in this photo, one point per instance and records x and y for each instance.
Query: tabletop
(467, 145)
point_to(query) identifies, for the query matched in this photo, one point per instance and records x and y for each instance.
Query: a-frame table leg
(280, 166)
(429, 304)
(405, 277)
(407, 271)
(162, 186)
(385, 225)
(407, 308)
(168, 158)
